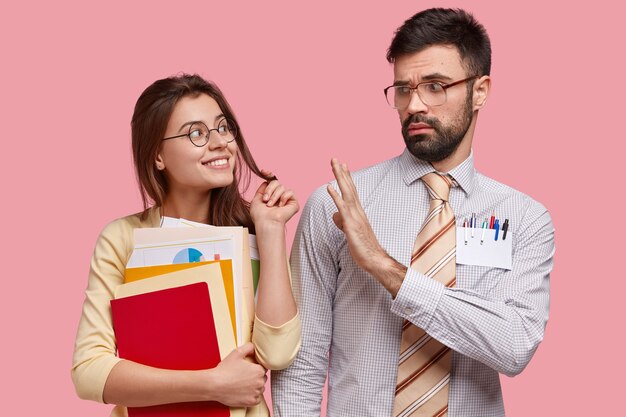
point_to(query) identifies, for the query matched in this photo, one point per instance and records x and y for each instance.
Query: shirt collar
(413, 169)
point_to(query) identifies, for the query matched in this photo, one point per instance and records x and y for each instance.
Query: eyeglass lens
(199, 133)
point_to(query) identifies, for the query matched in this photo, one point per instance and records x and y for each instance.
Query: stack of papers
(188, 301)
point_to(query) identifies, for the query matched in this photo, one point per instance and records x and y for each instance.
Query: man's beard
(443, 141)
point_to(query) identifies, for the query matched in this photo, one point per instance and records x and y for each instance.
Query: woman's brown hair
(150, 118)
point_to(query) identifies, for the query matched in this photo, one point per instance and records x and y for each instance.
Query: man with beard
(402, 324)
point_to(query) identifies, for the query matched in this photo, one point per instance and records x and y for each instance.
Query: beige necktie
(424, 366)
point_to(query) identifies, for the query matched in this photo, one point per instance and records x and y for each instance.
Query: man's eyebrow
(426, 78)
(436, 76)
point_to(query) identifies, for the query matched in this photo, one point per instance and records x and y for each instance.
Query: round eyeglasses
(432, 93)
(199, 133)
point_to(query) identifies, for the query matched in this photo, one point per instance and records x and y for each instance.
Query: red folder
(171, 329)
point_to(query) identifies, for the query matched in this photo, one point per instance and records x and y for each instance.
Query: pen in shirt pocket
(496, 226)
(505, 228)
(485, 226)
(465, 225)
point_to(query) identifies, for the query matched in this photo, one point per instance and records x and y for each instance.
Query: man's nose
(416, 105)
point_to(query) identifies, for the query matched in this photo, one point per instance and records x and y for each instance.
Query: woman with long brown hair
(191, 162)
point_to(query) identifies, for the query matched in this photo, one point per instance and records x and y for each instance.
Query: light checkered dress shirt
(493, 320)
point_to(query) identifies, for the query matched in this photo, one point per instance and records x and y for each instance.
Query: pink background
(306, 83)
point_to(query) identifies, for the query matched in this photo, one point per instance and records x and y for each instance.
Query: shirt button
(407, 310)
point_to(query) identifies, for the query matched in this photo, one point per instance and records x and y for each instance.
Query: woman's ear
(481, 91)
(159, 163)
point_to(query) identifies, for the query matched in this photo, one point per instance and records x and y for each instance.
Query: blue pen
(496, 226)
(473, 221)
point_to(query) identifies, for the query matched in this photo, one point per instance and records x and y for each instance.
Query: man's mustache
(418, 118)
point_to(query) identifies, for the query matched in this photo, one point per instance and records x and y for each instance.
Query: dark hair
(150, 118)
(439, 26)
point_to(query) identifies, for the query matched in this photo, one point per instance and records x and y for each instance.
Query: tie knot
(438, 186)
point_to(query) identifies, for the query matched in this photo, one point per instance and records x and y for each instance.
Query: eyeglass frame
(442, 85)
(229, 122)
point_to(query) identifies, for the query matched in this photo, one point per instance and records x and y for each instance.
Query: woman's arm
(271, 208)
(277, 326)
(235, 382)
(275, 305)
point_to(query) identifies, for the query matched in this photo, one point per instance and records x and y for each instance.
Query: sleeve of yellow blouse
(95, 348)
(276, 347)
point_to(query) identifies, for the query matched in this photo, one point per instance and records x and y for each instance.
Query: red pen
(492, 220)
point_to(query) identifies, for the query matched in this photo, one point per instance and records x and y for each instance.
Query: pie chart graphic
(188, 255)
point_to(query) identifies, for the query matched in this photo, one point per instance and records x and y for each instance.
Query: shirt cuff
(418, 298)
(91, 377)
(276, 346)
